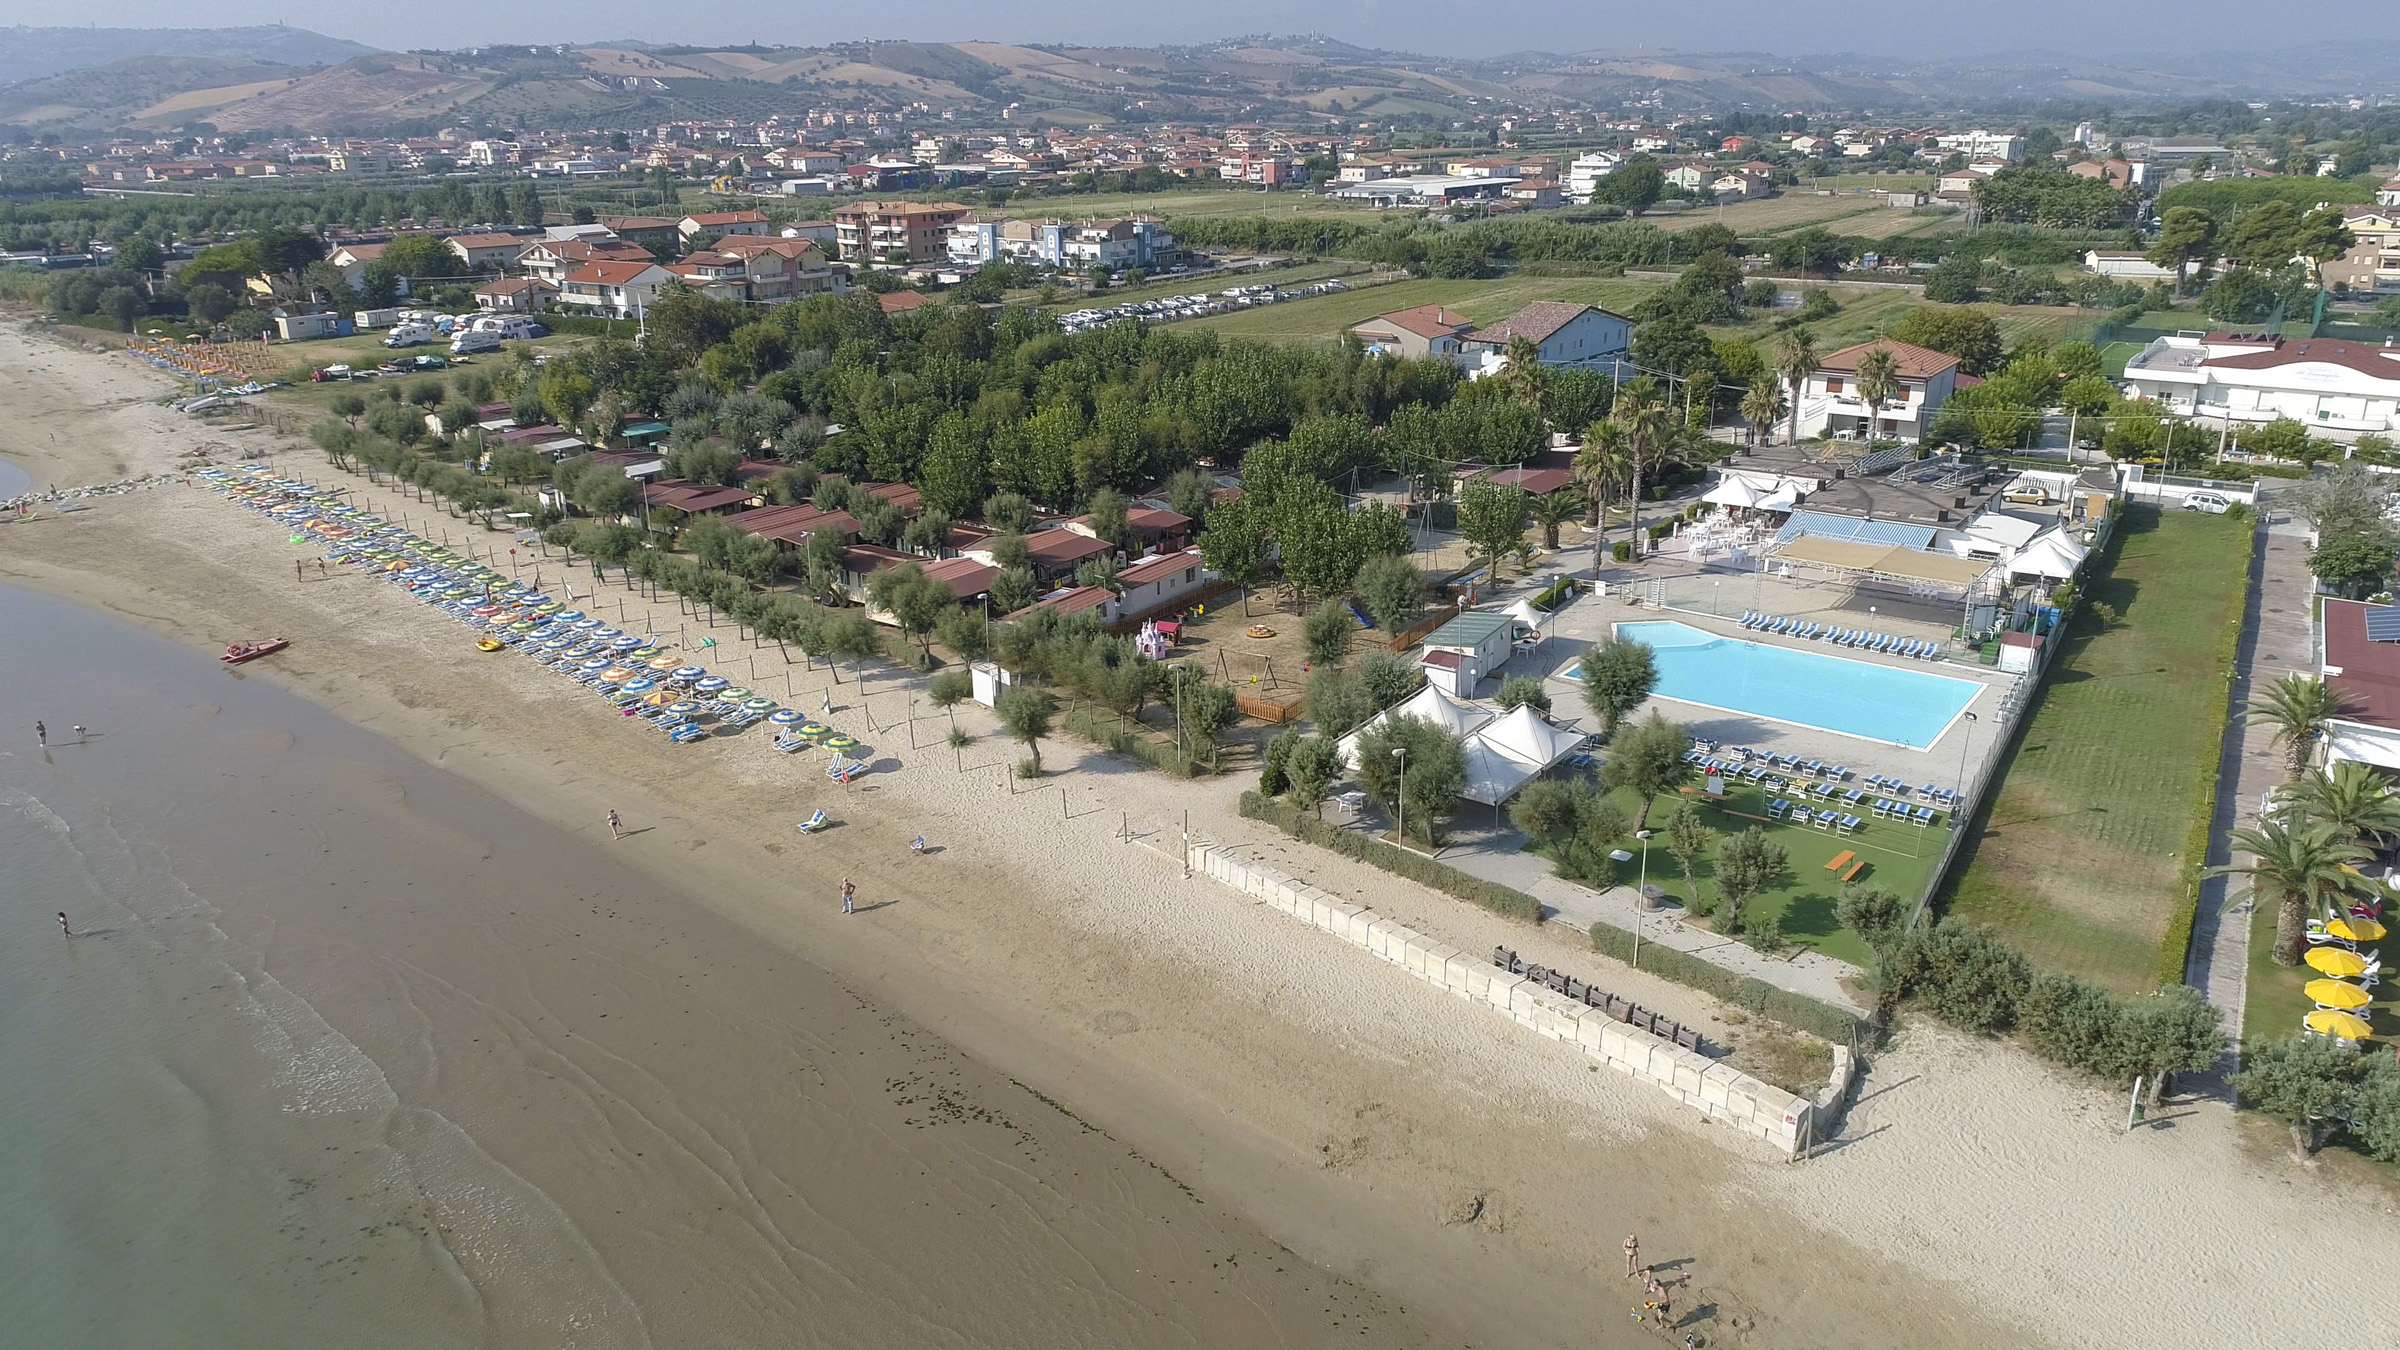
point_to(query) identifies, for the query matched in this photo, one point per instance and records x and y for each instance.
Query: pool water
(1874, 702)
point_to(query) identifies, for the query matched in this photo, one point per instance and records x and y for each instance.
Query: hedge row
(1398, 861)
(1097, 725)
(1793, 1010)
(2175, 947)
(1743, 991)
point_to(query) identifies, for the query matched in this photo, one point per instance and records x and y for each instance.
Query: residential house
(2389, 193)
(969, 581)
(895, 233)
(1262, 170)
(353, 259)
(698, 499)
(614, 290)
(2372, 266)
(901, 302)
(1585, 173)
(1922, 381)
(1740, 185)
(786, 269)
(1571, 335)
(1150, 528)
(1155, 585)
(496, 252)
(1055, 553)
(1426, 330)
(1688, 175)
(792, 525)
(720, 224)
(553, 259)
(1135, 241)
(822, 232)
(658, 234)
(515, 295)
(2116, 173)
(719, 276)
(2328, 383)
(2006, 147)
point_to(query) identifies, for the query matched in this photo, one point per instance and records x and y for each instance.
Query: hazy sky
(1948, 28)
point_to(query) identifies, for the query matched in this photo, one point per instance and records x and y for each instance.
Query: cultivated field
(2079, 854)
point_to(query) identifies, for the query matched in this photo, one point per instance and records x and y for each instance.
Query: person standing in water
(41, 734)
(63, 925)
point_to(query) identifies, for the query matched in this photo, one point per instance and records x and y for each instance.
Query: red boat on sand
(251, 651)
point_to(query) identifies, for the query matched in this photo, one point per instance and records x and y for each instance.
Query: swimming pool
(1804, 688)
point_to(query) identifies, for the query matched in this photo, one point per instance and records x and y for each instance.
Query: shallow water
(349, 1052)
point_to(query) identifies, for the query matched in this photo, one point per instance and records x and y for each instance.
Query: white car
(2209, 502)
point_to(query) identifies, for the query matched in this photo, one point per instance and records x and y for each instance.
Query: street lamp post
(1964, 739)
(1641, 896)
(1400, 792)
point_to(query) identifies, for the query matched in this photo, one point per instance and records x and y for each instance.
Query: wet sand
(1382, 1130)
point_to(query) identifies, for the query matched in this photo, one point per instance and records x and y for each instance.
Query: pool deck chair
(1848, 825)
(1881, 808)
(1841, 860)
(1922, 817)
(813, 823)
(1776, 808)
(1823, 821)
(1839, 773)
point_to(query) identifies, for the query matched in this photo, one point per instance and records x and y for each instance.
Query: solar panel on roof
(2383, 623)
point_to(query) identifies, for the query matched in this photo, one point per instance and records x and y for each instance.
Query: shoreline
(1350, 1117)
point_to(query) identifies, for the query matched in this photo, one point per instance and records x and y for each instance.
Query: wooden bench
(1855, 869)
(1841, 860)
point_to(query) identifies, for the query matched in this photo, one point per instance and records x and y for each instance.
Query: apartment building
(895, 233)
(614, 290)
(2373, 263)
(1922, 380)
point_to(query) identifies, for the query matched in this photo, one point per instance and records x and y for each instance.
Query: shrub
(1519, 690)
(1271, 780)
(1621, 551)
(1764, 935)
(1963, 973)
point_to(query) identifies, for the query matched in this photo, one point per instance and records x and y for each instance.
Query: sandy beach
(1455, 1178)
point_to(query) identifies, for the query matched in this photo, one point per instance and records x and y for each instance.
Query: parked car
(2209, 502)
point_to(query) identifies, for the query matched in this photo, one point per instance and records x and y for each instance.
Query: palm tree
(1762, 404)
(1551, 510)
(2300, 869)
(2298, 707)
(1795, 363)
(1599, 467)
(1521, 372)
(1877, 382)
(1643, 413)
(2350, 795)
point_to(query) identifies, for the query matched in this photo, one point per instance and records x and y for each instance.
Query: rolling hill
(32, 53)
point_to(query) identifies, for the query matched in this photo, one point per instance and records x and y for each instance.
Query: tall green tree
(1795, 361)
(2299, 869)
(1618, 675)
(1648, 761)
(1492, 520)
(2298, 707)
(2301, 1079)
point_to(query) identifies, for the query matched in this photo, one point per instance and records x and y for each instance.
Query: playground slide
(1362, 614)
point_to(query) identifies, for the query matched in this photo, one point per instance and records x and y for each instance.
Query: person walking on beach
(79, 735)
(616, 827)
(296, 575)
(1633, 1254)
(849, 897)
(41, 734)
(63, 926)
(829, 703)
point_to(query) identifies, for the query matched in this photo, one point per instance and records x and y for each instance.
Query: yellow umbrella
(2348, 1026)
(2336, 962)
(2335, 994)
(2356, 930)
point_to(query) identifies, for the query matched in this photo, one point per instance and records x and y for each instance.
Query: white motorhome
(470, 342)
(408, 335)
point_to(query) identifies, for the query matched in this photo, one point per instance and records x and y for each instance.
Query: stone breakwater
(1722, 1093)
(54, 496)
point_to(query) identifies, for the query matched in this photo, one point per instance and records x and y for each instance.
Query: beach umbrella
(689, 672)
(2336, 994)
(2347, 1026)
(683, 709)
(596, 663)
(662, 664)
(783, 717)
(607, 634)
(643, 653)
(2356, 930)
(708, 684)
(758, 705)
(2336, 962)
(733, 695)
(568, 615)
(841, 742)
(641, 686)
(523, 626)
(625, 644)
(812, 730)
(588, 625)
(615, 673)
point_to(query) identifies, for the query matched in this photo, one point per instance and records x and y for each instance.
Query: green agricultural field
(2078, 857)
(1298, 275)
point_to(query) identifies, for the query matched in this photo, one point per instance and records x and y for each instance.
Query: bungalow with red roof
(719, 224)
(1426, 330)
(1922, 380)
(497, 251)
(614, 290)
(515, 295)
(697, 499)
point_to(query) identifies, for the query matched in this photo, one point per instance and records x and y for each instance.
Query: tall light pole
(1641, 896)
(1965, 737)
(1400, 793)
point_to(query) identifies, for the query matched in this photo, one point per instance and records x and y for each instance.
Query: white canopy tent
(1428, 704)
(1511, 751)
(1524, 612)
(1734, 492)
(2054, 554)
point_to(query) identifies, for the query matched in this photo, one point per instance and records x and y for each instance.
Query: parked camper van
(469, 342)
(408, 335)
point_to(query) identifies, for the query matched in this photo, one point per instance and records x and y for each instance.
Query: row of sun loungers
(1742, 760)
(1801, 811)
(1884, 643)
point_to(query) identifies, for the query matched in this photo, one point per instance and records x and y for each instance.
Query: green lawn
(1899, 858)
(1298, 275)
(366, 351)
(2078, 857)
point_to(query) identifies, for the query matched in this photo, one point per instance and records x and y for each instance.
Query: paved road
(2277, 639)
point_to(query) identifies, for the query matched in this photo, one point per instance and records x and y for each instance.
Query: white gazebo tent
(2053, 554)
(1427, 704)
(1740, 492)
(1512, 751)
